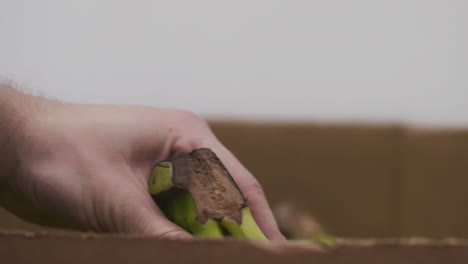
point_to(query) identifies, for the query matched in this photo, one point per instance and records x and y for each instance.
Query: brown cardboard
(361, 180)
(10, 221)
(342, 173)
(82, 248)
(358, 180)
(434, 183)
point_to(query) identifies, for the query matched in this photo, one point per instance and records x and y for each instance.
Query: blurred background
(361, 60)
(314, 97)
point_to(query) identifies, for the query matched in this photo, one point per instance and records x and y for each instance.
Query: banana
(181, 210)
(196, 192)
(248, 228)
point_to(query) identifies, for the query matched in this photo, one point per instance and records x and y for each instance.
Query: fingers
(153, 222)
(245, 180)
(138, 213)
(253, 191)
(191, 132)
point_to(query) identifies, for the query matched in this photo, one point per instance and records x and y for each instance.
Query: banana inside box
(196, 192)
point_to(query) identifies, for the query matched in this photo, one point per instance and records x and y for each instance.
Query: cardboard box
(360, 181)
(80, 248)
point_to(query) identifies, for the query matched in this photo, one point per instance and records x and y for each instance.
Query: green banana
(196, 192)
(248, 228)
(181, 210)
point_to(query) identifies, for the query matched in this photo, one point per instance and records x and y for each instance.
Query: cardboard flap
(26, 247)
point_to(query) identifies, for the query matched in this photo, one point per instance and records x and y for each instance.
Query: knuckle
(186, 145)
(188, 116)
(190, 131)
(188, 119)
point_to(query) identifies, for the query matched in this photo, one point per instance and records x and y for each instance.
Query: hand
(88, 166)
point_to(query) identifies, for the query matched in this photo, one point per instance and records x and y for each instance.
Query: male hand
(88, 165)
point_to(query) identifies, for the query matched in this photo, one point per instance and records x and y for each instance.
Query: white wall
(394, 60)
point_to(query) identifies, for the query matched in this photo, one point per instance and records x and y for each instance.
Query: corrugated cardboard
(358, 180)
(342, 174)
(433, 183)
(79, 248)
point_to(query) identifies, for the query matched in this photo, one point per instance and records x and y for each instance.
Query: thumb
(142, 216)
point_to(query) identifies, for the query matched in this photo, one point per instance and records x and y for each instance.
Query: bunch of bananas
(196, 192)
